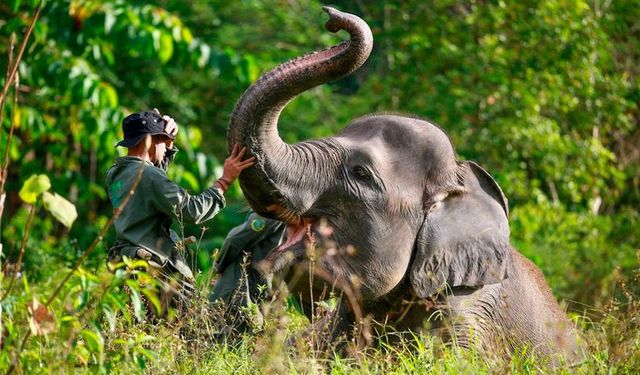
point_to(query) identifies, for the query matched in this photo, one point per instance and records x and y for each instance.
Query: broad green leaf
(34, 187)
(108, 96)
(186, 35)
(152, 297)
(107, 52)
(60, 208)
(140, 361)
(166, 47)
(15, 5)
(176, 33)
(150, 354)
(135, 299)
(94, 340)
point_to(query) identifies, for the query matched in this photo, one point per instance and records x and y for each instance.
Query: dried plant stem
(4, 167)
(5, 160)
(13, 68)
(23, 247)
(12, 71)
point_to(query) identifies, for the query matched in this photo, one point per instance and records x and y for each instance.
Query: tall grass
(100, 326)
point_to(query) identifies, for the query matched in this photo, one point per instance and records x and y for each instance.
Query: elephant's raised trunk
(280, 169)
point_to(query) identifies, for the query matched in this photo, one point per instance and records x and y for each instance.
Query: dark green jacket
(257, 235)
(146, 219)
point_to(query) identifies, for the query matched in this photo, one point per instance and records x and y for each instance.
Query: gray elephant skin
(413, 229)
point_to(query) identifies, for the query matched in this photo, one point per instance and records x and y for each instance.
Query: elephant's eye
(360, 173)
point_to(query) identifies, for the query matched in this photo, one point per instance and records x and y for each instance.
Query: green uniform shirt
(257, 236)
(146, 219)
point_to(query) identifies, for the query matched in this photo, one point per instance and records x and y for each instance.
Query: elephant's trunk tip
(334, 24)
(331, 11)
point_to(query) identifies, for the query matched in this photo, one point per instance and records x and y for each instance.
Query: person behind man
(143, 225)
(252, 239)
(239, 283)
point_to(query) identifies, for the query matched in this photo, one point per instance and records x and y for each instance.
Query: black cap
(137, 125)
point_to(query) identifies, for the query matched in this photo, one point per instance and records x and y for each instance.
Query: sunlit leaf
(108, 96)
(33, 187)
(17, 117)
(152, 296)
(69, 319)
(186, 35)
(205, 53)
(109, 21)
(60, 208)
(107, 52)
(87, 86)
(166, 47)
(253, 71)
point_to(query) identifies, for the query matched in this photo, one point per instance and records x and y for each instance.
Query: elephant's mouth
(301, 239)
(296, 234)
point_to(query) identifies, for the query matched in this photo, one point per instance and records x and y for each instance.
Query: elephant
(416, 230)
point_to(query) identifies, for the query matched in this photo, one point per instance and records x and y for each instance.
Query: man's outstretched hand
(233, 165)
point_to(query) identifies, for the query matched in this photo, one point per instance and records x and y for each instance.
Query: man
(143, 225)
(252, 239)
(239, 283)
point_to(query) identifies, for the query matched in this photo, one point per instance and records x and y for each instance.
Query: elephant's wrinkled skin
(406, 220)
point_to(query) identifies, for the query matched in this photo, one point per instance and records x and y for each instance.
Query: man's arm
(168, 158)
(170, 198)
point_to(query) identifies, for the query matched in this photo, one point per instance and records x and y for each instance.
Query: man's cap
(137, 125)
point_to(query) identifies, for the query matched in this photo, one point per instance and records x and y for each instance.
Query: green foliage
(564, 244)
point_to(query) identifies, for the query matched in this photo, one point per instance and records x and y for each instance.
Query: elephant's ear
(464, 239)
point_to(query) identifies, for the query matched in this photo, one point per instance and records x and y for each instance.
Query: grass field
(95, 326)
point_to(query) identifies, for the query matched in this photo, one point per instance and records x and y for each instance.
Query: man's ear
(464, 239)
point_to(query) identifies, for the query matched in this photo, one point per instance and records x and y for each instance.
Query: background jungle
(543, 94)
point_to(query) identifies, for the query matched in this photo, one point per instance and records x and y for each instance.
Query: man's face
(159, 145)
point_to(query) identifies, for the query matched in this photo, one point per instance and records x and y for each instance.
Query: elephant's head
(398, 203)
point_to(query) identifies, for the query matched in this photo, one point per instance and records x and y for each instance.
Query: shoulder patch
(257, 225)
